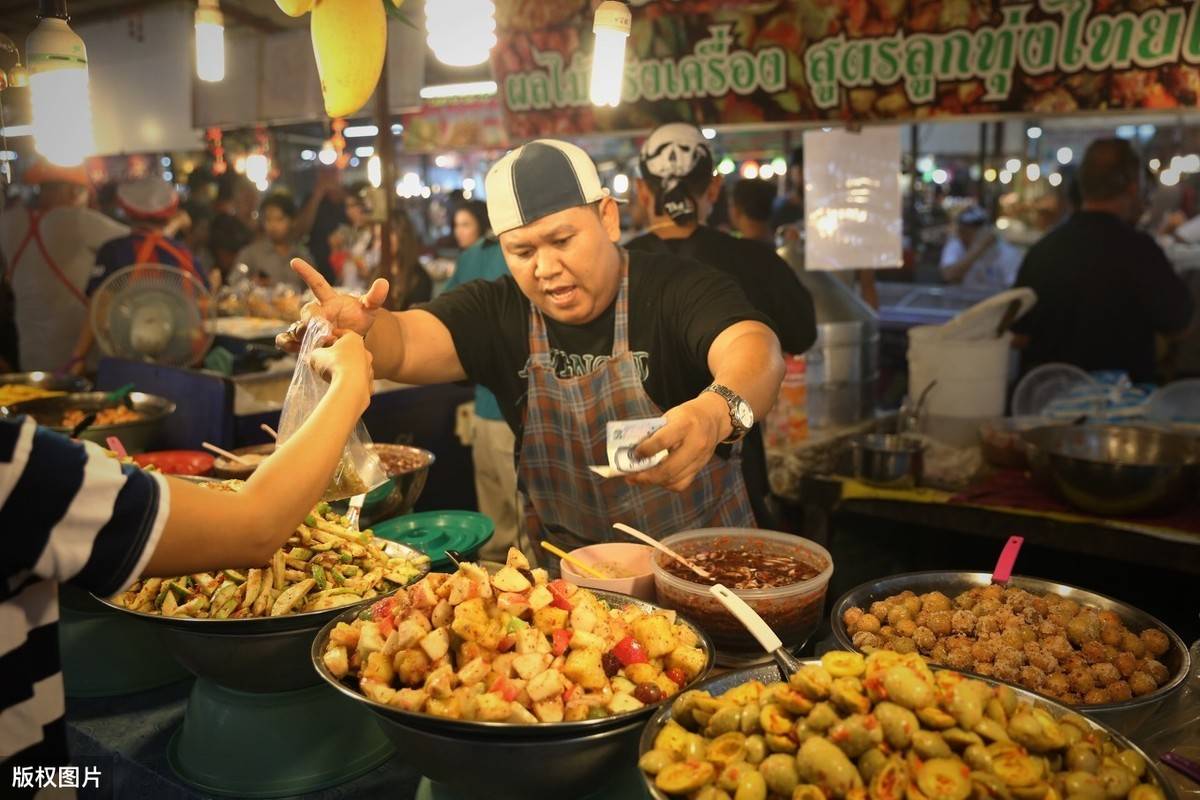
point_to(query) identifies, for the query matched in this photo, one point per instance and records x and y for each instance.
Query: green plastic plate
(435, 532)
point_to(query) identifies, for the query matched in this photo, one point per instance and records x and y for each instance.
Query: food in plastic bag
(359, 470)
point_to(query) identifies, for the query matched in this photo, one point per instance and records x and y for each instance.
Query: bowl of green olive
(884, 727)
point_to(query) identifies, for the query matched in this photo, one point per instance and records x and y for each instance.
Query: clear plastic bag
(359, 470)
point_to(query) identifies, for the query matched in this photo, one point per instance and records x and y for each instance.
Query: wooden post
(386, 151)
(982, 189)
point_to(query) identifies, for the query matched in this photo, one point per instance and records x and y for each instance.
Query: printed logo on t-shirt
(573, 365)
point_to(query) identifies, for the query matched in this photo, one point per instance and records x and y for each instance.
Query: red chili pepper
(386, 626)
(383, 608)
(507, 642)
(569, 694)
(561, 640)
(630, 651)
(505, 688)
(677, 676)
(558, 589)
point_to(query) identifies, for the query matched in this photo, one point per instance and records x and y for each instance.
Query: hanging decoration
(214, 138)
(338, 141)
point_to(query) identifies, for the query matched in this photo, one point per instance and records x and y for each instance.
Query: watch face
(744, 414)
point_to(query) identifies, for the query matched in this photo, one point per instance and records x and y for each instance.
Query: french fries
(323, 565)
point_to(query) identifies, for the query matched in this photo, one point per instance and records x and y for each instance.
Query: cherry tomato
(561, 639)
(630, 651)
(677, 676)
(648, 693)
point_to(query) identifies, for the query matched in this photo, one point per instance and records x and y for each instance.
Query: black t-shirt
(1104, 290)
(677, 308)
(767, 280)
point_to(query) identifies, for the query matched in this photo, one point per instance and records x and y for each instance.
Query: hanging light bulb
(58, 87)
(210, 42)
(611, 25)
(461, 32)
(257, 168)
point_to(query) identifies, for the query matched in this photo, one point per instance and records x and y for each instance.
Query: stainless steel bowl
(399, 494)
(1115, 470)
(260, 654)
(503, 730)
(888, 460)
(769, 674)
(47, 380)
(137, 436)
(1125, 716)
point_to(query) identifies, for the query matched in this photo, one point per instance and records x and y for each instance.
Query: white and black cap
(539, 179)
(677, 164)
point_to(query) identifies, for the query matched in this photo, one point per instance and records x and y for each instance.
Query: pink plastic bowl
(634, 559)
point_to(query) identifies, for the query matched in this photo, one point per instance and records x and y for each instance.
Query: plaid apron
(565, 418)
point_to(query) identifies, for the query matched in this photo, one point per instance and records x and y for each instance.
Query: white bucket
(971, 374)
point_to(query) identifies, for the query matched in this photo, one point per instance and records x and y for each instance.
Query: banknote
(623, 438)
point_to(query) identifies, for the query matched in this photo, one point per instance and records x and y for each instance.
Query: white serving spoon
(635, 533)
(758, 628)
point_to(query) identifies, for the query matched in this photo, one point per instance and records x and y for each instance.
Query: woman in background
(409, 284)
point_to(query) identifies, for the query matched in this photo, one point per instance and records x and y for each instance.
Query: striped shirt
(68, 514)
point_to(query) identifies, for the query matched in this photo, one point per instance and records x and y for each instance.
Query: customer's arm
(1162, 294)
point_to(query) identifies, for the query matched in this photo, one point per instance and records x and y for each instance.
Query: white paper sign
(852, 199)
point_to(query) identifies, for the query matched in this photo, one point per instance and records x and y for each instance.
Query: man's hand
(344, 311)
(692, 433)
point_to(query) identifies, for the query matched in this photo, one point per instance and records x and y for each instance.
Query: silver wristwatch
(741, 416)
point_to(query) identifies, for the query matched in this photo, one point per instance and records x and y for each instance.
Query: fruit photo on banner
(751, 61)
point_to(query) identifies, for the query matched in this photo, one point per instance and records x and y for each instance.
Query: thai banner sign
(751, 61)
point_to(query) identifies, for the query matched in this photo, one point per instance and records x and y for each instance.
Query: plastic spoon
(115, 445)
(759, 629)
(1007, 560)
(635, 533)
(354, 512)
(234, 457)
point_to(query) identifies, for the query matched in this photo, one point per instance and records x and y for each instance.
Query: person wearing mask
(350, 245)
(1104, 288)
(581, 333)
(50, 249)
(977, 256)
(409, 283)
(677, 187)
(233, 222)
(750, 205)
(492, 441)
(270, 255)
(71, 514)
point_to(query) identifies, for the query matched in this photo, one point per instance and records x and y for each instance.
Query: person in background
(69, 513)
(492, 441)
(977, 256)
(1104, 288)
(269, 256)
(233, 221)
(50, 249)
(350, 245)
(750, 209)
(789, 209)
(409, 284)
(677, 188)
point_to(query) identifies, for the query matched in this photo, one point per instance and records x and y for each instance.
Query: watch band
(732, 399)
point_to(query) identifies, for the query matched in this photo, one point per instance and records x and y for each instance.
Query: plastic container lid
(435, 532)
(981, 320)
(1044, 385)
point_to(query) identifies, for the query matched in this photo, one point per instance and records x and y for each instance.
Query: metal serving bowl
(769, 674)
(1123, 716)
(1115, 470)
(399, 494)
(47, 380)
(888, 460)
(511, 761)
(259, 654)
(137, 436)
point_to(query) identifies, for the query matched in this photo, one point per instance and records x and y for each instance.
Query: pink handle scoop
(1007, 560)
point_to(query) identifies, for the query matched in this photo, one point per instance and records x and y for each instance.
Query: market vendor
(677, 189)
(582, 333)
(70, 514)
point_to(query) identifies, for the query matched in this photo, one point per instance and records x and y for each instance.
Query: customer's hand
(347, 360)
(343, 311)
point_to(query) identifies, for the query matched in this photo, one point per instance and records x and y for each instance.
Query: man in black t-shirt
(579, 335)
(1104, 288)
(676, 189)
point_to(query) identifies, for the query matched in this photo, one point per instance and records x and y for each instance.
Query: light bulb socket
(613, 15)
(56, 9)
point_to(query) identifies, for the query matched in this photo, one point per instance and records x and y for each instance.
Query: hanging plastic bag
(358, 471)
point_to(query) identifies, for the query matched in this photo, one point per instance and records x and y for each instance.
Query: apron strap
(35, 219)
(35, 235)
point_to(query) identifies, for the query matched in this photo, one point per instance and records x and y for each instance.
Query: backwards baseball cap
(148, 198)
(973, 215)
(676, 163)
(539, 179)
